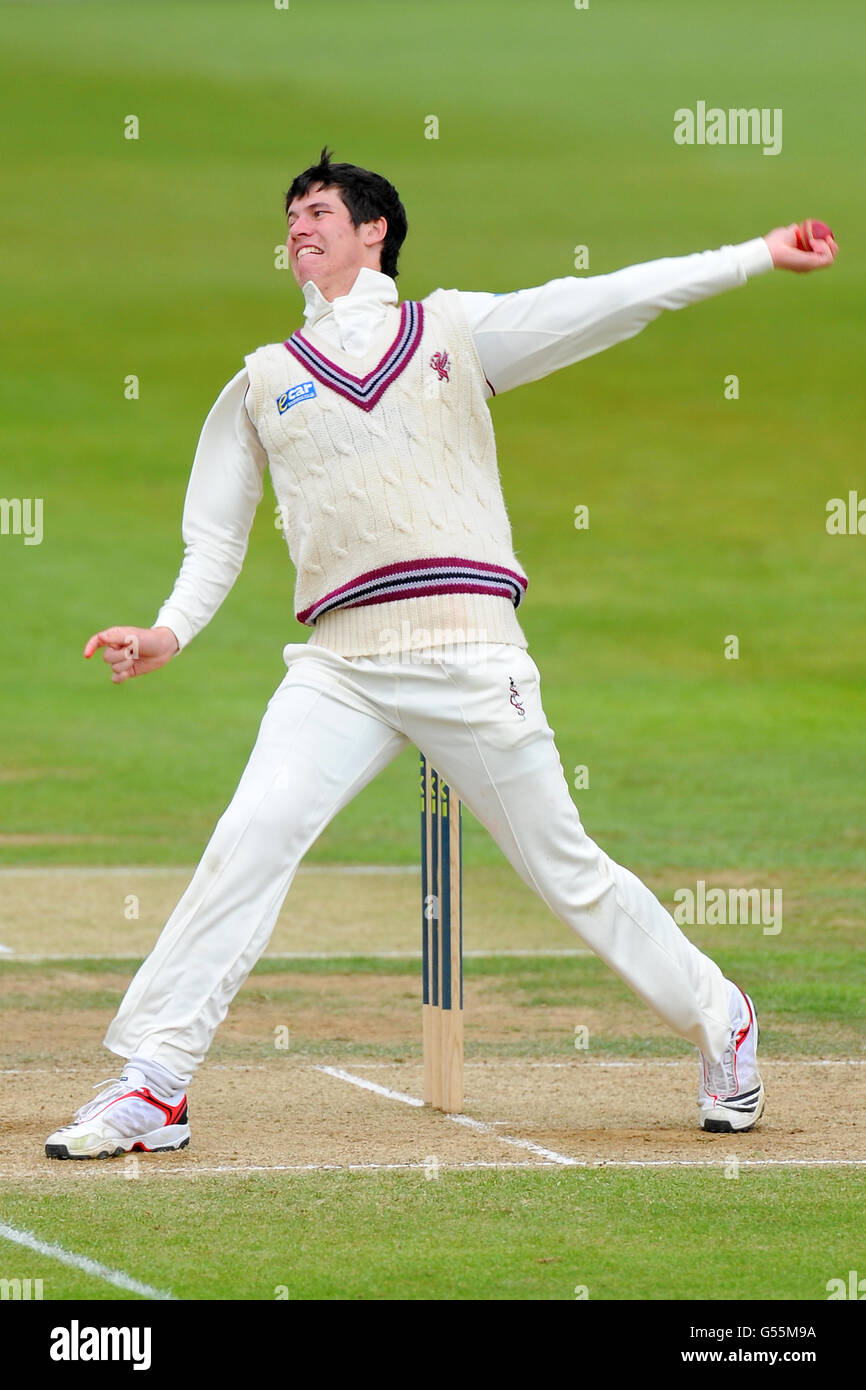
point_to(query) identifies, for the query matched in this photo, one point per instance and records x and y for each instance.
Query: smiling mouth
(309, 251)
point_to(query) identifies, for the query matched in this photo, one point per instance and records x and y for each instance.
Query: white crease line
(157, 1170)
(148, 870)
(481, 1064)
(687, 1062)
(464, 1120)
(725, 1162)
(82, 1262)
(355, 1167)
(370, 1085)
(546, 951)
(85, 1071)
(73, 955)
(362, 870)
(160, 1169)
(562, 1159)
(565, 1161)
(359, 954)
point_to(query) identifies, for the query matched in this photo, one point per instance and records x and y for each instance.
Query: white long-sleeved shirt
(520, 337)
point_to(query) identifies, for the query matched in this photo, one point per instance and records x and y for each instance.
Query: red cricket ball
(812, 230)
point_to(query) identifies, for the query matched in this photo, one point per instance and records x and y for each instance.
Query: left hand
(782, 242)
(132, 651)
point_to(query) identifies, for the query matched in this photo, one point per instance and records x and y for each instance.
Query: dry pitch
(319, 1062)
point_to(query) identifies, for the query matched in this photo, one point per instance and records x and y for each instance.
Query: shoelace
(89, 1107)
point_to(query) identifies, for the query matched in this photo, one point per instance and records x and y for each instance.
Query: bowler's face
(323, 244)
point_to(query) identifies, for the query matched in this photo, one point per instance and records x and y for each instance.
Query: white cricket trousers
(330, 727)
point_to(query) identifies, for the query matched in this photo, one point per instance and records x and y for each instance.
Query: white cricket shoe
(731, 1093)
(122, 1118)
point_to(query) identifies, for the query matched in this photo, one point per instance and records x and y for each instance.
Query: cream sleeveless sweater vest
(385, 473)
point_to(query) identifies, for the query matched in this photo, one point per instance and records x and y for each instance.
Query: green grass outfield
(155, 257)
(496, 1235)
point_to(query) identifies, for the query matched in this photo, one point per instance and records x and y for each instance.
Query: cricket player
(373, 420)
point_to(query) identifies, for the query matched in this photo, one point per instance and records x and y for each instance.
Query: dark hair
(366, 195)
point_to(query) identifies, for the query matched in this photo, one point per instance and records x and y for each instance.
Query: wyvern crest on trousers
(364, 391)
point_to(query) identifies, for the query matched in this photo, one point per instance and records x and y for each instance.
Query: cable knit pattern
(413, 478)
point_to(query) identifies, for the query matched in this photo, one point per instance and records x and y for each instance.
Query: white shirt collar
(350, 320)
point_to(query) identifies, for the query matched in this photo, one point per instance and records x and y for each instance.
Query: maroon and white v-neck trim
(365, 391)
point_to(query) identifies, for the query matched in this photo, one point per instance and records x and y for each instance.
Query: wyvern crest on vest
(440, 362)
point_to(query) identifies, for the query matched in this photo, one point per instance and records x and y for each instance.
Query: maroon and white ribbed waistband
(417, 579)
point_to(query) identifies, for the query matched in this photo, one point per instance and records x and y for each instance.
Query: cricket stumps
(442, 942)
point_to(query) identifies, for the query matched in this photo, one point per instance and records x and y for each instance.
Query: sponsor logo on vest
(304, 392)
(440, 362)
(515, 698)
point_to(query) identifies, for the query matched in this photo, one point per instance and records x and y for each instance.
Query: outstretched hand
(133, 651)
(787, 255)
